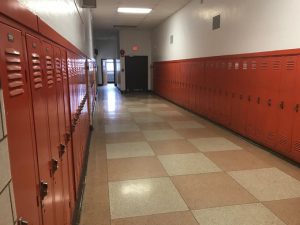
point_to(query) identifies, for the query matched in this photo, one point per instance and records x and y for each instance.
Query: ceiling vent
(87, 3)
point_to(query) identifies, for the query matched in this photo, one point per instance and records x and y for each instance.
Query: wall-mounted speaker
(96, 51)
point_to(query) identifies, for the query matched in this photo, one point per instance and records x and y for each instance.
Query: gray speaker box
(88, 3)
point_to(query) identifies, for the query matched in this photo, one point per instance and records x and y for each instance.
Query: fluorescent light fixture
(134, 10)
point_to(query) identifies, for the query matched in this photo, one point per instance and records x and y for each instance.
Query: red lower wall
(256, 95)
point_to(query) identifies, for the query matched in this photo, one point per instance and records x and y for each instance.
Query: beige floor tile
(176, 218)
(116, 128)
(185, 124)
(157, 105)
(196, 133)
(169, 113)
(124, 137)
(134, 103)
(183, 164)
(132, 198)
(211, 190)
(154, 126)
(236, 160)
(268, 184)
(114, 115)
(172, 147)
(135, 168)
(287, 210)
(214, 144)
(249, 214)
(148, 119)
(139, 109)
(127, 150)
(159, 135)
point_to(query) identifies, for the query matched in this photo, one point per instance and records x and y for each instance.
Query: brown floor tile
(236, 160)
(154, 126)
(172, 147)
(124, 137)
(176, 218)
(287, 210)
(211, 190)
(135, 168)
(196, 133)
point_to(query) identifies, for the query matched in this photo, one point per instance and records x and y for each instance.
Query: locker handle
(43, 189)
(54, 165)
(62, 150)
(258, 100)
(297, 107)
(269, 102)
(21, 221)
(249, 98)
(282, 105)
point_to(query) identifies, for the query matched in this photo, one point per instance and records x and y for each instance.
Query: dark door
(136, 73)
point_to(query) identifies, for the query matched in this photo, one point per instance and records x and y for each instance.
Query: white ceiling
(105, 16)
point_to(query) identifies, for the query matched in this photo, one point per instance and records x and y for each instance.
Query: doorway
(108, 67)
(136, 70)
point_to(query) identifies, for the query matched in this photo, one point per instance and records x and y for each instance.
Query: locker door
(69, 150)
(56, 148)
(296, 109)
(252, 98)
(235, 100)
(19, 124)
(271, 101)
(40, 113)
(62, 130)
(290, 70)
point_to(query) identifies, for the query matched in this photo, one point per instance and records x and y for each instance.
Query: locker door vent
(276, 65)
(271, 136)
(49, 71)
(245, 66)
(297, 146)
(64, 69)
(282, 140)
(236, 66)
(290, 65)
(58, 70)
(14, 72)
(230, 66)
(253, 65)
(37, 71)
(264, 65)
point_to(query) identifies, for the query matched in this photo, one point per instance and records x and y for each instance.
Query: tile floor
(153, 163)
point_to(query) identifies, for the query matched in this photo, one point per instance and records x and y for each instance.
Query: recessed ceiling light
(134, 10)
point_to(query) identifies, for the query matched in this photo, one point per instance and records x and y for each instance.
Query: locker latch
(297, 107)
(282, 105)
(43, 189)
(54, 165)
(62, 150)
(269, 102)
(21, 221)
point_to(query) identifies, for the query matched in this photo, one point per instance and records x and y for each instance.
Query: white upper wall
(72, 22)
(246, 26)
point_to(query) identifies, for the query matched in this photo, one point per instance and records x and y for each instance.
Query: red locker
(271, 100)
(39, 95)
(19, 124)
(290, 70)
(53, 120)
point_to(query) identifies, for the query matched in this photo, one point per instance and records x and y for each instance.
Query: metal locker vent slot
(271, 137)
(282, 140)
(245, 66)
(253, 65)
(37, 71)
(290, 65)
(276, 65)
(297, 146)
(14, 72)
(64, 69)
(236, 66)
(230, 65)
(49, 71)
(58, 70)
(264, 65)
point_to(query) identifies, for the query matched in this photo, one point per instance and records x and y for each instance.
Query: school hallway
(154, 163)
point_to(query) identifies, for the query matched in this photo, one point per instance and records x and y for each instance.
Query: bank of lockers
(254, 96)
(46, 96)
